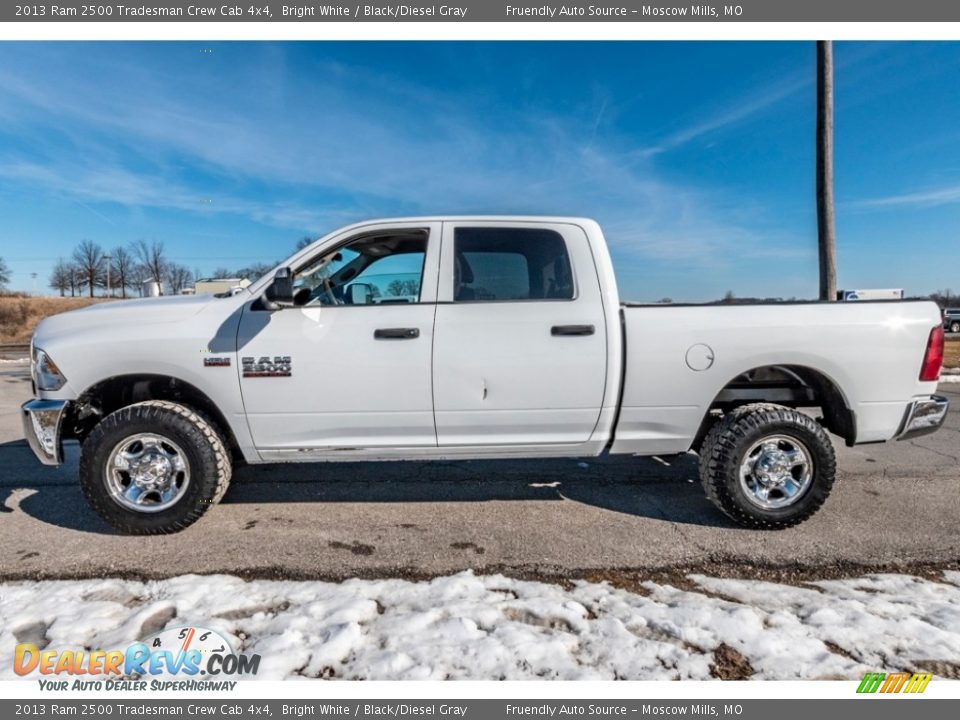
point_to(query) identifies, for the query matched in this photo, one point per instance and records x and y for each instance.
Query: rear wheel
(767, 466)
(955, 326)
(154, 467)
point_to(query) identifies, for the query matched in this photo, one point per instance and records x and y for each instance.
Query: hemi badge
(216, 362)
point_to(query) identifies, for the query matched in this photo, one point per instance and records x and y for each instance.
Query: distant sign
(883, 294)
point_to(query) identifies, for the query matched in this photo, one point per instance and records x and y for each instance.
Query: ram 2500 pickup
(470, 337)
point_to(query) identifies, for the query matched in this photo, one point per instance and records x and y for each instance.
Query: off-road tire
(202, 443)
(722, 452)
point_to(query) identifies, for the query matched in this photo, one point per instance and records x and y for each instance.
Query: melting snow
(492, 627)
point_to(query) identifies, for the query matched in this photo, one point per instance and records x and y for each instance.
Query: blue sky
(696, 157)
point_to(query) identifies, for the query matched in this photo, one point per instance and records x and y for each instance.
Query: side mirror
(360, 293)
(279, 293)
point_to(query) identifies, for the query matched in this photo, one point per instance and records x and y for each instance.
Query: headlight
(46, 374)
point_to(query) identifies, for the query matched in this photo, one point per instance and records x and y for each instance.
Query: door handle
(396, 333)
(572, 330)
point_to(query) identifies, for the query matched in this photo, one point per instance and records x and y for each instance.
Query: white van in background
(884, 294)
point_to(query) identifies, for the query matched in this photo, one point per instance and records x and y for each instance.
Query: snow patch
(493, 627)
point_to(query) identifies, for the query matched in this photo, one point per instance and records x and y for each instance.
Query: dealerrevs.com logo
(182, 658)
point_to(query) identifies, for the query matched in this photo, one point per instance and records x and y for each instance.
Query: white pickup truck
(470, 337)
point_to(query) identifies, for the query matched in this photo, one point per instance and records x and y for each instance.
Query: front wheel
(767, 466)
(153, 468)
(955, 326)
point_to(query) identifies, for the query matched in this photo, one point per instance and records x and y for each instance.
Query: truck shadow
(643, 487)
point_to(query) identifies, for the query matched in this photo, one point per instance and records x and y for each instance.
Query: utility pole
(826, 230)
(107, 259)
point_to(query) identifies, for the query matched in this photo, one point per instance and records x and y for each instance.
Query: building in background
(219, 285)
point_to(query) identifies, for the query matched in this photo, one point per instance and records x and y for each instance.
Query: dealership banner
(895, 11)
(426, 709)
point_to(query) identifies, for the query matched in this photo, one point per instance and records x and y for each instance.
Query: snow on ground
(492, 627)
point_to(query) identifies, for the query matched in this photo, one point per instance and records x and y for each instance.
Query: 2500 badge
(265, 366)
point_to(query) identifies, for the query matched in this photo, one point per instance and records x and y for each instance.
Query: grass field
(951, 358)
(20, 315)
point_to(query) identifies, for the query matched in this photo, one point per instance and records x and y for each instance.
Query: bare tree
(399, 288)
(303, 242)
(826, 232)
(178, 276)
(153, 260)
(76, 279)
(88, 257)
(253, 272)
(4, 273)
(220, 273)
(123, 268)
(60, 277)
(138, 274)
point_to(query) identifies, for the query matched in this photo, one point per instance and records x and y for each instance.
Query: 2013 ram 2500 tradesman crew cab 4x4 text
(470, 337)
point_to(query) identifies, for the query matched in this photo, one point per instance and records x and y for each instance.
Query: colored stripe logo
(901, 682)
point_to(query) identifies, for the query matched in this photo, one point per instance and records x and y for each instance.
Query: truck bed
(680, 357)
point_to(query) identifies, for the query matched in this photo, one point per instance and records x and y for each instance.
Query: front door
(520, 347)
(349, 367)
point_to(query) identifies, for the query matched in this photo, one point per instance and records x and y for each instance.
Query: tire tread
(718, 459)
(198, 428)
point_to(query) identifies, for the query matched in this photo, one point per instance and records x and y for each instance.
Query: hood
(116, 314)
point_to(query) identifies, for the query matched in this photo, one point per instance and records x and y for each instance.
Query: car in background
(951, 320)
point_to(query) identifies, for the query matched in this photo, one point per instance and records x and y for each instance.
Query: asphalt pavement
(896, 506)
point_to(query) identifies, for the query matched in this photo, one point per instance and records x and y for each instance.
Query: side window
(510, 264)
(372, 269)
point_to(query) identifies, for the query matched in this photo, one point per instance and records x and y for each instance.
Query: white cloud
(718, 119)
(934, 197)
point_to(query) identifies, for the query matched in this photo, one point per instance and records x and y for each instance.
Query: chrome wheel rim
(147, 473)
(776, 472)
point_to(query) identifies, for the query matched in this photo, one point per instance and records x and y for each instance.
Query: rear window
(498, 264)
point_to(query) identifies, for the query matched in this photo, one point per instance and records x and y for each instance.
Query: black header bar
(889, 11)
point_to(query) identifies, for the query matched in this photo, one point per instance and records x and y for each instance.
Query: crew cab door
(520, 337)
(349, 367)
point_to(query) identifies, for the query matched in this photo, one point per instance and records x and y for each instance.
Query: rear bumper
(923, 416)
(41, 428)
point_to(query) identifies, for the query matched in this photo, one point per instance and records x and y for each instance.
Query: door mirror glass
(360, 293)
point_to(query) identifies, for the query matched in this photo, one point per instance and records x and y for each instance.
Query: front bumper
(41, 427)
(923, 416)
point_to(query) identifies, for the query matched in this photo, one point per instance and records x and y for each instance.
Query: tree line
(127, 267)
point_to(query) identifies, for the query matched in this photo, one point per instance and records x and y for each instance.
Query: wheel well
(790, 385)
(109, 395)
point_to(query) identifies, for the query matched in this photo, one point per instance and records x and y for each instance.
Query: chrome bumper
(41, 428)
(923, 416)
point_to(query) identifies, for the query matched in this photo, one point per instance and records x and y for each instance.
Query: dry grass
(951, 358)
(20, 315)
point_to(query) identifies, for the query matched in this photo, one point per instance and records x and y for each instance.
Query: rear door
(520, 347)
